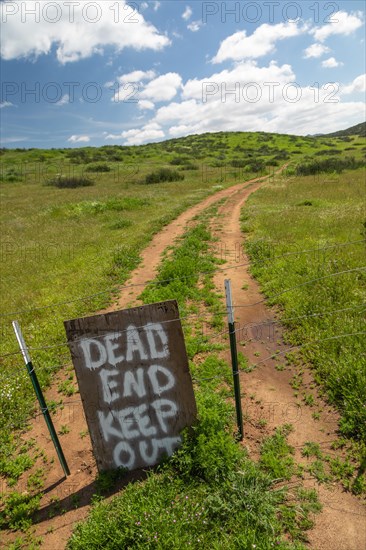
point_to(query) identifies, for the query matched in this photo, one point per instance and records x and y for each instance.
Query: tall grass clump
(328, 165)
(163, 175)
(69, 182)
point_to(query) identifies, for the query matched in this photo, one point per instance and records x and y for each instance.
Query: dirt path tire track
(151, 255)
(342, 523)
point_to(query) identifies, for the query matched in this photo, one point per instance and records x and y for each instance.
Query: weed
(317, 470)
(280, 367)
(14, 466)
(64, 429)
(67, 387)
(106, 480)
(243, 361)
(276, 455)
(35, 480)
(66, 182)
(309, 399)
(311, 449)
(18, 510)
(162, 175)
(296, 382)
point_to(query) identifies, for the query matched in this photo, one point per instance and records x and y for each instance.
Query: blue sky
(81, 73)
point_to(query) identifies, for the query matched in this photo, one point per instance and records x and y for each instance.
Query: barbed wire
(309, 281)
(271, 322)
(220, 377)
(165, 281)
(201, 317)
(287, 350)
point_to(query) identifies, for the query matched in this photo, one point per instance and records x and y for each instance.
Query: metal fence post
(234, 358)
(39, 394)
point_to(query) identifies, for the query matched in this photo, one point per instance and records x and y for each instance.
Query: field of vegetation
(74, 222)
(311, 266)
(312, 230)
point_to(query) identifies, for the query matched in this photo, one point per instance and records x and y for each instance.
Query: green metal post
(39, 394)
(234, 359)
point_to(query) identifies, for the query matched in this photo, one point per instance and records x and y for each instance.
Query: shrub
(255, 165)
(10, 175)
(69, 182)
(328, 165)
(282, 155)
(163, 174)
(78, 156)
(101, 167)
(238, 163)
(177, 161)
(189, 166)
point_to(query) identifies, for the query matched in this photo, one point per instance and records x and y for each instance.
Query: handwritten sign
(134, 381)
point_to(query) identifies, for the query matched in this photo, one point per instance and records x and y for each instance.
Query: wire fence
(192, 316)
(204, 334)
(254, 329)
(222, 377)
(144, 284)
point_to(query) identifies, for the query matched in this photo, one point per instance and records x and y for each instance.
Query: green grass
(294, 229)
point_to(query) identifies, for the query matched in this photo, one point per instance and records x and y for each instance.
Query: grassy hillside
(357, 130)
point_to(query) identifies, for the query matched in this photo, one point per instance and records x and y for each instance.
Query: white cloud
(241, 74)
(195, 26)
(357, 85)
(77, 31)
(144, 6)
(248, 97)
(137, 136)
(162, 88)
(129, 85)
(239, 46)
(342, 23)
(79, 139)
(331, 63)
(315, 50)
(145, 104)
(156, 6)
(136, 76)
(12, 140)
(5, 104)
(187, 14)
(63, 101)
(177, 131)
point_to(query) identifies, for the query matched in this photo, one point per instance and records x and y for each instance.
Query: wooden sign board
(134, 381)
